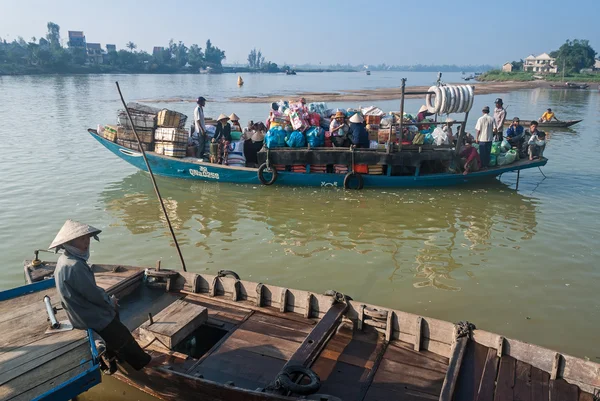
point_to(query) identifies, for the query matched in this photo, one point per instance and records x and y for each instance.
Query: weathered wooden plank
(50, 384)
(21, 366)
(426, 354)
(471, 371)
(424, 359)
(487, 385)
(259, 343)
(522, 389)
(377, 393)
(560, 390)
(315, 340)
(274, 331)
(399, 377)
(241, 363)
(540, 390)
(10, 305)
(341, 379)
(174, 323)
(454, 367)
(583, 396)
(506, 379)
(44, 372)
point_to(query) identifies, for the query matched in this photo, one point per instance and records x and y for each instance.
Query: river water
(521, 263)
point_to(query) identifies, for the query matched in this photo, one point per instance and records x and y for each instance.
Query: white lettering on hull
(204, 173)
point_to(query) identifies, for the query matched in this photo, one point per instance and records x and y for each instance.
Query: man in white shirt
(485, 132)
(199, 135)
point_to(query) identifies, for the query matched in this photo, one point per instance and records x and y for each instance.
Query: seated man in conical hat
(87, 305)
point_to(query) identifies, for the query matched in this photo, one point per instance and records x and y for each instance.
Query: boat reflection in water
(428, 237)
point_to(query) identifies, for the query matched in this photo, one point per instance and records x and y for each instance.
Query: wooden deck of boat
(32, 362)
(358, 365)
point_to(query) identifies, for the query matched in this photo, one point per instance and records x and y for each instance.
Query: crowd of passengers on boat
(299, 125)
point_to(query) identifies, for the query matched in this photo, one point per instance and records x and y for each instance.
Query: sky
(395, 32)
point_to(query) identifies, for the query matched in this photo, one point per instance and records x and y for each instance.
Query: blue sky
(322, 32)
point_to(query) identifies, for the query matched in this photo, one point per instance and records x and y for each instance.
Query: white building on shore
(543, 64)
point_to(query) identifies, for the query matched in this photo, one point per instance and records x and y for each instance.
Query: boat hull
(551, 124)
(193, 169)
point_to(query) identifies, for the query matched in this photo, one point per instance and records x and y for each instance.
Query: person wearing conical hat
(87, 305)
(235, 122)
(223, 138)
(338, 129)
(358, 133)
(423, 113)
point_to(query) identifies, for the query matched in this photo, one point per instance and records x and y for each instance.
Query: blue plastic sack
(428, 139)
(315, 136)
(296, 140)
(275, 138)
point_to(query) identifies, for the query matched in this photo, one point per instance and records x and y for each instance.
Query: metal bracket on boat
(337, 296)
(236, 285)
(55, 325)
(464, 329)
(160, 278)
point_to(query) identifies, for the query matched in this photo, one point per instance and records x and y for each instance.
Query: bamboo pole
(403, 91)
(162, 204)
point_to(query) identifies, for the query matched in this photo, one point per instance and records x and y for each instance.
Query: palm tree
(131, 46)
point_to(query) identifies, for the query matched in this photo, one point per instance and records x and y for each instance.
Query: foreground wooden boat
(247, 341)
(192, 168)
(549, 124)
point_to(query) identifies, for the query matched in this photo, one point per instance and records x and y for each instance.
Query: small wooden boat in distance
(227, 339)
(569, 85)
(549, 124)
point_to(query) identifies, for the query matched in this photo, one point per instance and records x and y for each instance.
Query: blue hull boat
(192, 168)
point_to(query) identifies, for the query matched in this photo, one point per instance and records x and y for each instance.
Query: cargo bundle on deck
(159, 130)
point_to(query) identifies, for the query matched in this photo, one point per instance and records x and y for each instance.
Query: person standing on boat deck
(548, 116)
(87, 305)
(338, 129)
(199, 136)
(499, 117)
(357, 132)
(223, 138)
(273, 114)
(484, 134)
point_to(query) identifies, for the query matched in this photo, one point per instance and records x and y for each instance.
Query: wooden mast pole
(162, 204)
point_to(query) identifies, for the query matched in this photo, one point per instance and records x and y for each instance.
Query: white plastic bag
(439, 137)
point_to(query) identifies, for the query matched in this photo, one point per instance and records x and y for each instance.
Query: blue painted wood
(190, 169)
(78, 384)
(26, 289)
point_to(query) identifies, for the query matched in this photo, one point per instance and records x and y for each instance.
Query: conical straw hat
(71, 230)
(356, 118)
(422, 109)
(234, 117)
(222, 117)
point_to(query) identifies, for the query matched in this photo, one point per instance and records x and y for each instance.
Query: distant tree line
(48, 55)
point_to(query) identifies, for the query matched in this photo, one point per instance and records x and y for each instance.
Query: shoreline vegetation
(521, 76)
